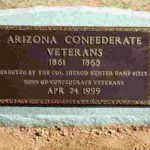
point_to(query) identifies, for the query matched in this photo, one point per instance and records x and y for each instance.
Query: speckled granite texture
(74, 16)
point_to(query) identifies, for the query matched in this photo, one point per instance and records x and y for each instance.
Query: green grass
(128, 4)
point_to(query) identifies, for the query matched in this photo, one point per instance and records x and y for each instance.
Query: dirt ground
(114, 137)
(127, 4)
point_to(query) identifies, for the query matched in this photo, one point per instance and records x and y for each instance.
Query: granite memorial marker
(74, 65)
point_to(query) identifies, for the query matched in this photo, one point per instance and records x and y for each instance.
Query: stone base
(73, 16)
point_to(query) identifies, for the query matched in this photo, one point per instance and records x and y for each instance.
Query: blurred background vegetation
(128, 4)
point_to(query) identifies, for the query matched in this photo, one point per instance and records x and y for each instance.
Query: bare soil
(127, 4)
(114, 137)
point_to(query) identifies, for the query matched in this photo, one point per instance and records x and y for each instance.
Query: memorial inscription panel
(74, 66)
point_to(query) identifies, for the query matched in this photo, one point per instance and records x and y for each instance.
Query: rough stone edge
(52, 120)
(106, 10)
(50, 116)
